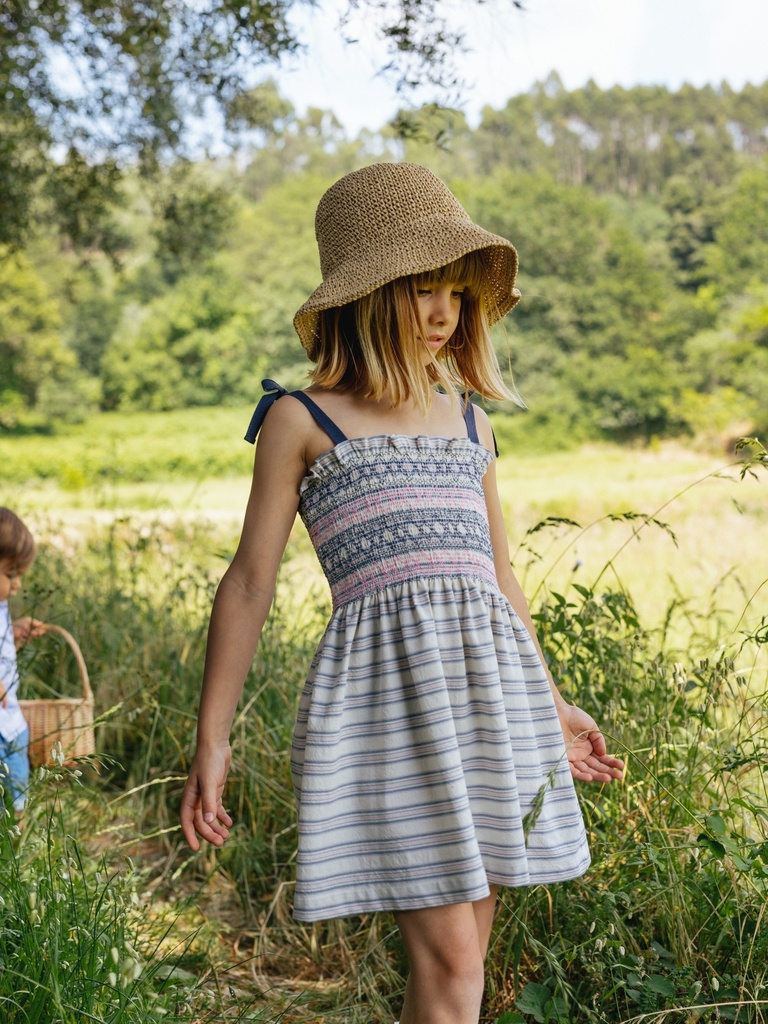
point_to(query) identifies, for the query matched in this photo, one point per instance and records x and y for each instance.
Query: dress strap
(275, 391)
(469, 419)
(321, 418)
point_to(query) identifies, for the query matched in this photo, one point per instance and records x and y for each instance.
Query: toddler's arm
(27, 628)
(242, 603)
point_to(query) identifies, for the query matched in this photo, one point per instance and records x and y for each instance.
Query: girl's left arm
(584, 743)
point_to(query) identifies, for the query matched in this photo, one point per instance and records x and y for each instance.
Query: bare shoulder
(285, 432)
(484, 429)
(290, 419)
(293, 431)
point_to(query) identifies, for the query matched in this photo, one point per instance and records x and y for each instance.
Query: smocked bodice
(390, 509)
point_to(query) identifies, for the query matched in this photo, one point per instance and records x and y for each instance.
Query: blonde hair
(373, 345)
(17, 545)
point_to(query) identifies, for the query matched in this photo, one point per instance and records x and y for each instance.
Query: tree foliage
(644, 305)
(121, 82)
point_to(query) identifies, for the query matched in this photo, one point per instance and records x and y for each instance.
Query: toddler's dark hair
(17, 545)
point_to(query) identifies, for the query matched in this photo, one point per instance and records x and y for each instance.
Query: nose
(441, 306)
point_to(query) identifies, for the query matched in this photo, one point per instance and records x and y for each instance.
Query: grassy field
(105, 917)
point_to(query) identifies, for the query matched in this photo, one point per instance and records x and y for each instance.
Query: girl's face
(10, 579)
(439, 304)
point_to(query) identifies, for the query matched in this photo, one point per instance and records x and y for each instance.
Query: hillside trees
(37, 370)
(586, 327)
(627, 141)
(642, 315)
(218, 329)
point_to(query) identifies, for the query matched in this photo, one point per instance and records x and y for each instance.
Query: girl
(432, 756)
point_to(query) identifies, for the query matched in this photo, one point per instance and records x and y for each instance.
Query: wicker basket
(66, 719)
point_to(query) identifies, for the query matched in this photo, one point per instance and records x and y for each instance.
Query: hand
(3, 695)
(202, 812)
(585, 747)
(27, 628)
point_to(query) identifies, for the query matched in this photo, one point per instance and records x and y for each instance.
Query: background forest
(640, 216)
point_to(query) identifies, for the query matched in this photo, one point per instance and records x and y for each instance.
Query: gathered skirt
(428, 760)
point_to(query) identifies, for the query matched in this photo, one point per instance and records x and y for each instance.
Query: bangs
(468, 270)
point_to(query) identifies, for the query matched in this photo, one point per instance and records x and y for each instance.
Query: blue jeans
(14, 768)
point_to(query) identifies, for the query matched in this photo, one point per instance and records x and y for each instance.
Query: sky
(613, 42)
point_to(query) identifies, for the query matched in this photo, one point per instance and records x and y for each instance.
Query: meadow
(644, 568)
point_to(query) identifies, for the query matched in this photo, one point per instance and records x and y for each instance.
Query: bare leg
(445, 946)
(484, 914)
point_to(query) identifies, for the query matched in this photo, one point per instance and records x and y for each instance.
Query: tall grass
(669, 924)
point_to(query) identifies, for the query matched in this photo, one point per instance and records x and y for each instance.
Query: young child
(17, 552)
(433, 756)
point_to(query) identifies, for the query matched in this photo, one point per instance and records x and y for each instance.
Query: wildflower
(715, 985)
(112, 979)
(57, 754)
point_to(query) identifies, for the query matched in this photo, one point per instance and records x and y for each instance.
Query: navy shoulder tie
(267, 401)
(265, 404)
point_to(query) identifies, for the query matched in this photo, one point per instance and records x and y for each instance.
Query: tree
(739, 254)
(119, 81)
(36, 368)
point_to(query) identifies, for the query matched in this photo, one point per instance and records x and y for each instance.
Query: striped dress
(428, 760)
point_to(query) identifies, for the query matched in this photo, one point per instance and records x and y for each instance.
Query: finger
(210, 802)
(214, 832)
(187, 817)
(220, 829)
(597, 740)
(582, 774)
(614, 765)
(591, 770)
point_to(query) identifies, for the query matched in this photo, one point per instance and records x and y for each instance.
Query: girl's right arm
(241, 606)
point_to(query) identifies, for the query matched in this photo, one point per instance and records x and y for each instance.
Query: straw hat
(390, 220)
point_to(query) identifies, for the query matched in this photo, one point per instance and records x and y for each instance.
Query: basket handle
(50, 627)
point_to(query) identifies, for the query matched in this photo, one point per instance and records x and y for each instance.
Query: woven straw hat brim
(423, 245)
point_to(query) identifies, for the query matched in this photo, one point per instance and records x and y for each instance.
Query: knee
(457, 968)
